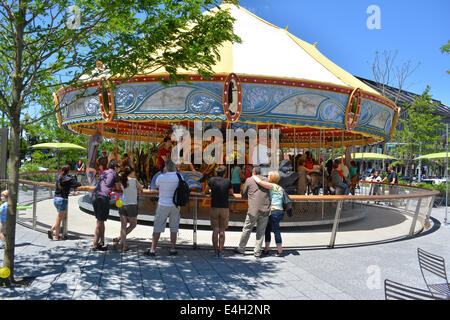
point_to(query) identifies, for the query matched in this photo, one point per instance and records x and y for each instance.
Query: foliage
(46, 45)
(446, 49)
(420, 129)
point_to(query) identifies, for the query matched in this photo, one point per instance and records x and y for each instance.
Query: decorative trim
(351, 118)
(232, 109)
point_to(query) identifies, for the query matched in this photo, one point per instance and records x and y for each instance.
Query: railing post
(65, 223)
(413, 224)
(427, 218)
(335, 224)
(35, 188)
(194, 240)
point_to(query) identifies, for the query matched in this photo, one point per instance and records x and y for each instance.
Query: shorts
(60, 204)
(219, 218)
(101, 207)
(162, 212)
(130, 210)
(236, 188)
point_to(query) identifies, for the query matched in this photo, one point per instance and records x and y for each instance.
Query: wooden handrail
(201, 195)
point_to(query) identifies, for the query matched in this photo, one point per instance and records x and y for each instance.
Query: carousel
(270, 81)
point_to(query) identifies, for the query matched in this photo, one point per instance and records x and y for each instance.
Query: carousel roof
(270, 79)
(270, 51)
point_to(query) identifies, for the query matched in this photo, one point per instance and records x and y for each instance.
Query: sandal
(150, 253)
(125, 249)
(116, 242)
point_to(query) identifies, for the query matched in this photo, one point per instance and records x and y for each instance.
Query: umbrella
(58, 146)
(439, 155)
(369, 156)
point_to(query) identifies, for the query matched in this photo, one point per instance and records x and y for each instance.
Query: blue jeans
(273, 225)
(344, 186)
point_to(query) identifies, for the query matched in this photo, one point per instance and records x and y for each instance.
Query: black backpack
(181, 194)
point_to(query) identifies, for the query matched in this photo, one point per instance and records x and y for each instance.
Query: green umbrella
(439, 155)
(369, 156)
(58, 146)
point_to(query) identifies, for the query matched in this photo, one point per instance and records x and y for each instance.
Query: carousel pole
(446, 177)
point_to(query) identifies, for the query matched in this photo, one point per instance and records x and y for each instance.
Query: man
(164, 153)
(392, 180)
(100, 202)
(103, 160)
(220, 189)
(257, 214)
(167, 183)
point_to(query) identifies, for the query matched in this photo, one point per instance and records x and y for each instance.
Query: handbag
(287, 204)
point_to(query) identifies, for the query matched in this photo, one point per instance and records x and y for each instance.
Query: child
(3, 210)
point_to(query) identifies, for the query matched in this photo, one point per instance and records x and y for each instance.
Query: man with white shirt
(167, 183)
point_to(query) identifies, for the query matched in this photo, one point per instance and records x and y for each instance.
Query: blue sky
(417, 29)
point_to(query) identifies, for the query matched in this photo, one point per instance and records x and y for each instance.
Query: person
(288, 178)
(220, 189)
(353, 170)
(129, 210)
(100, 202)
(309, 161)
(276, 211)
(337, 178)
(61, 199)
(167, 183)
(376, 187)
(79, 168)
(248, 171)
(236, 177)
(392, 180)
(257, 214)
(114, 156)
(3, 213)
(302, 178)
(344, 170)
(103, 160)
(164, 153)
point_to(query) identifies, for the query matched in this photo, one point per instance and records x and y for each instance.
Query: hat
(221, 169)
(113, 164)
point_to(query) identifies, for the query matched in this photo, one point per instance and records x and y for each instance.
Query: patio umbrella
(369, 156)
(433, 156)
(58, 146)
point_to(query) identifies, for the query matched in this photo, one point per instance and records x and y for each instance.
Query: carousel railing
(320, 220)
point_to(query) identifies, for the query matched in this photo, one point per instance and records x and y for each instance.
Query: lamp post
(446, 174)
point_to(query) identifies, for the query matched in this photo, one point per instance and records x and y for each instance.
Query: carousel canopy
(271, 80)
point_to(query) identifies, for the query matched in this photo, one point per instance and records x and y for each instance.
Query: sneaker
(236, 250)
(265, 252)
(173, 252)
(99, 248)
(150, 253)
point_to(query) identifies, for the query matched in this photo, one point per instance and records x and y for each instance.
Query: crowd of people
(267, 197)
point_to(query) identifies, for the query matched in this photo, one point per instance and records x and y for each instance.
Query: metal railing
(318, 221)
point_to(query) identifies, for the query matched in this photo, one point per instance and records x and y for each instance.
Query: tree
(446, 49)
(421, 129)
(387, 73)
(45, 45)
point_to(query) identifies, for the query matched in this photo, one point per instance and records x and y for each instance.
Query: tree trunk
(13, 187)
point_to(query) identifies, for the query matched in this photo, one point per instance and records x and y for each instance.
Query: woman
(61, 199)
(276, 210)
(236, 177)
(129, 211)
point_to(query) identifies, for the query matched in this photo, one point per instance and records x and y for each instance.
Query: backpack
(181, 194)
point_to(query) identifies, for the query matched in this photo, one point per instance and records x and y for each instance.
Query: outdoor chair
(433, 269)
(397, 291)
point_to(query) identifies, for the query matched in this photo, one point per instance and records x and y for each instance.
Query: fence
(378, 212)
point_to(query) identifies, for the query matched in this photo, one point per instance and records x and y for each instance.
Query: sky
(416, 29)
